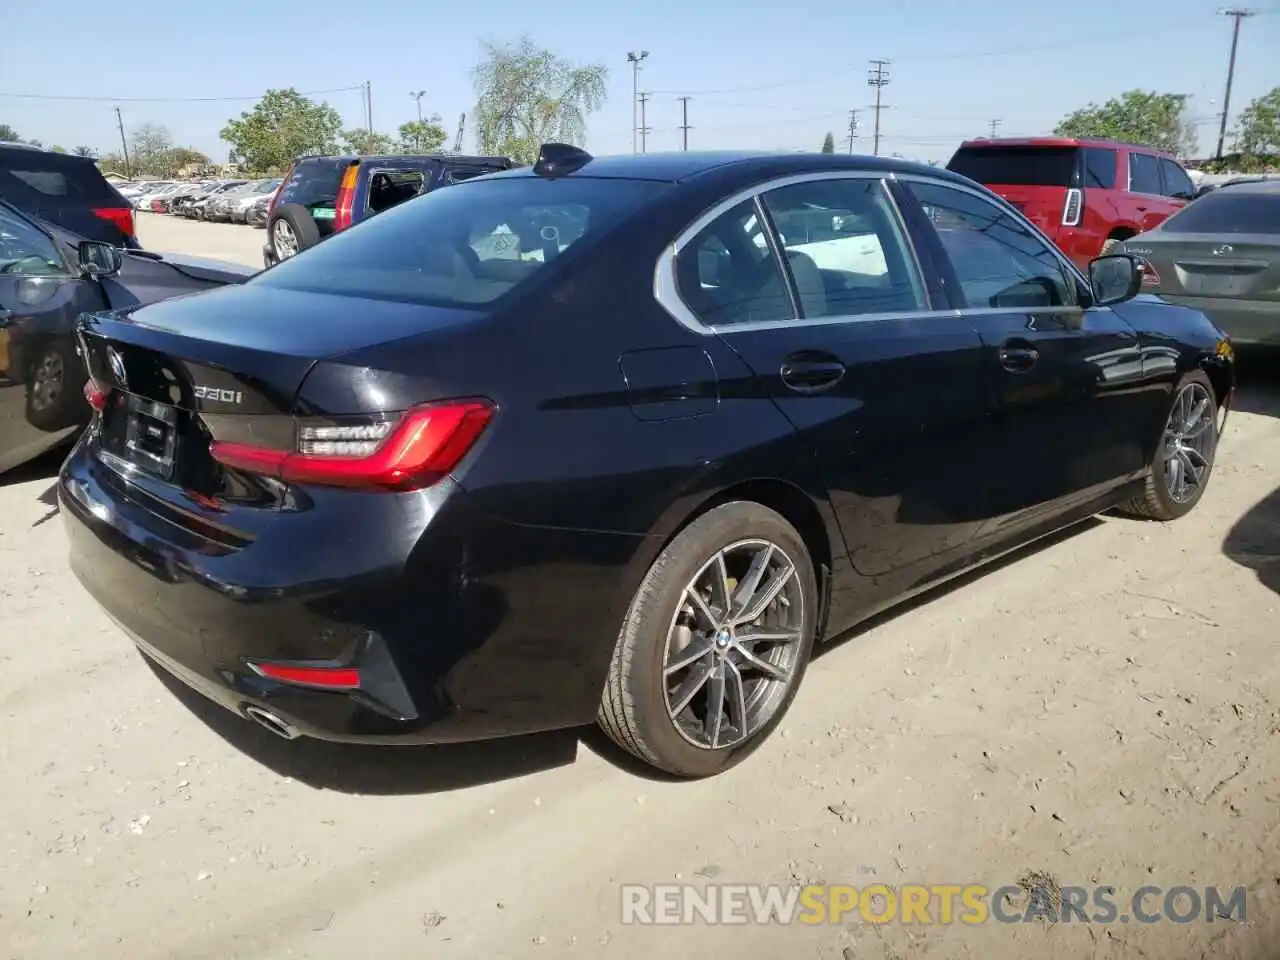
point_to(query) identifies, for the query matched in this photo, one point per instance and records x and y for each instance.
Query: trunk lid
(226, 365)
(1244, 266)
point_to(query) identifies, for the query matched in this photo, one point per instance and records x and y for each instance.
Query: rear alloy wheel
(715, 644)
(1185, 457)
(54, 398)
(283, 240)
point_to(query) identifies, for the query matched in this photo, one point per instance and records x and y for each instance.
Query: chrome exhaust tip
(267, 719)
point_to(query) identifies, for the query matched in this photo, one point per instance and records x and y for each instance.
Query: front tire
(715, 643)
(1185, 456)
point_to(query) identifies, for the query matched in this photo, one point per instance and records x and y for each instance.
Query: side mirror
(1114, 279)
(99, 260)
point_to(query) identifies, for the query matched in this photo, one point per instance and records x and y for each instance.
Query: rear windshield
(313, 182)
(1225, 211)
(32, 176)
(1019, 166)
(465, 245)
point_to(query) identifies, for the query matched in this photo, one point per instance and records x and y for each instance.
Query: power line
(95, 99)
(878, 77)
(684, 122)
(1236, 14)
(1093, 40)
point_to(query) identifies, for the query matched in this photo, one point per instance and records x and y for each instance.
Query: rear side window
(33, 177)
(1144, 174)
(1018, 166)
(313, 182)
(1100, 168)
(465, 246)
(1225, 212)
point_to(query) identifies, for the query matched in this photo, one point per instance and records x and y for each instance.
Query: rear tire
(55, 381)
(680, 650)
(1184, 459)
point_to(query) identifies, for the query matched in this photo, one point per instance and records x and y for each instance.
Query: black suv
(322, 195)
(65, 190)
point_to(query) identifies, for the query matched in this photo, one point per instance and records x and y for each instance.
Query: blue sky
(761, 75)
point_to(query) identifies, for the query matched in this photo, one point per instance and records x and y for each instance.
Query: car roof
(7, 146)
(980, 142)
(418, 157)
(1252, 186)
(679, 166)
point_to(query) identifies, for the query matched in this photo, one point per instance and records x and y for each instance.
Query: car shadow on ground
(1254, 540)
(44, 467)
(1258, 382)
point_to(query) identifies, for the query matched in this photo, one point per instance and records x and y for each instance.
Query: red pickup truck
(1086, 195)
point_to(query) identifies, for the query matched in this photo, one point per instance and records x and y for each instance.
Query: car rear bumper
(467, 631)
(1246, 322)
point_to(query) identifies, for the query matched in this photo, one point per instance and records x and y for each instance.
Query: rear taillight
(95, 395)
(1073, 207)
(122, 217)
(346, 198)
(415, 451)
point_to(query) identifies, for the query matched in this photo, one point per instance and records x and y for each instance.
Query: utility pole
(994, 125)
(684, 122)
(644, 126)
(878, 77)
(418, 95)
(1236, 14)
(853, 128)
(123, 144)
(634, 58)
(368, 100)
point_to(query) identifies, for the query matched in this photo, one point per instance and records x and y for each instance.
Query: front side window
(999, 261)
(465, 246)
(25, 251)
(845, 250)
(1176, 181)
(727, 274)
(1144, 174)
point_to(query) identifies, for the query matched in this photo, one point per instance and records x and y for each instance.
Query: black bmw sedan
(614, 438)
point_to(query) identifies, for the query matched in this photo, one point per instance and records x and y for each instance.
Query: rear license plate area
(151, 436)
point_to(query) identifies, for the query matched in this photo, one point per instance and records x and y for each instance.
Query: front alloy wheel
(1185, 455)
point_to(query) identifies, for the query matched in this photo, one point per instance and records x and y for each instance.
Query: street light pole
(634, 58)
(418, 95)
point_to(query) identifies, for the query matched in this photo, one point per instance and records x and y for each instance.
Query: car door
(812, 281)
(41, 376)
(1062, 376)
(1146, 185)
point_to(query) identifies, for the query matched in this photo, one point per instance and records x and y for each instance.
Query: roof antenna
(559, 159)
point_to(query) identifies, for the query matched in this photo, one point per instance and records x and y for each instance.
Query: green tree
(8, 133)
(527, 96)
(151, 150)
(112, 163)
(85, 152)
(426, 136)
(283, 126)
(366, 144)
(1137, 116)
(829, 144)
(1258, 134)
(57, 149)
(188, 157)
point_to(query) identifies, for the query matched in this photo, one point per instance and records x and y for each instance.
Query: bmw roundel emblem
(117, 365)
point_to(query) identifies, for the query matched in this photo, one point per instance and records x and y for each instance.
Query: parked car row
(227, 201)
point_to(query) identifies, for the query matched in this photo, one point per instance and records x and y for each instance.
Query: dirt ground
(1104, 708)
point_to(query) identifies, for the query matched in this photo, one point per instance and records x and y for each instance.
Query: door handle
(1018, 356)
(811, 374)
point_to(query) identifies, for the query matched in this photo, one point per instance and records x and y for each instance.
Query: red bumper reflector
(95, 395)
(328, 678)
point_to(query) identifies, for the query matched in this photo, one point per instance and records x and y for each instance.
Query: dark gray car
(48, 278)
(1221, 255)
